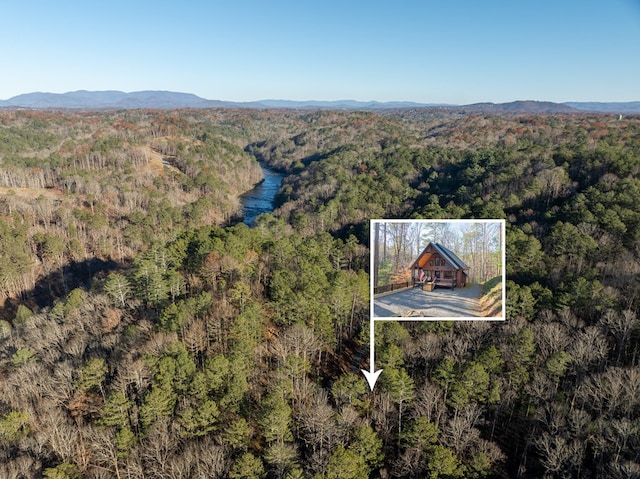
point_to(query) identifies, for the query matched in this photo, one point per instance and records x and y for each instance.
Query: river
(261, 198)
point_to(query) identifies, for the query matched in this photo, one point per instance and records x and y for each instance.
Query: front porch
(445, 278)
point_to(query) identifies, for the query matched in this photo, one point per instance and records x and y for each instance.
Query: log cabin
(441, 267)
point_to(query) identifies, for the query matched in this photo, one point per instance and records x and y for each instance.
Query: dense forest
(146, 333)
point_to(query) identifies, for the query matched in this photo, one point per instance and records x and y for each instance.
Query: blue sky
(453, 51)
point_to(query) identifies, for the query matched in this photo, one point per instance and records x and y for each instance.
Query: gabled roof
(446, 253)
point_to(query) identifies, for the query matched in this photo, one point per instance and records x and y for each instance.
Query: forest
(145, 332)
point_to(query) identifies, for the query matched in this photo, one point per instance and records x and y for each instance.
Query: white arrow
(372, 374)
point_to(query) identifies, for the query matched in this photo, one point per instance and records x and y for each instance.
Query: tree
(247, 467)
(118, 288)
(62, 471)
(349, 390)
(471, 384)
(22, 356)
(442, 463)
(421, 434)
(92, 375)
(159, 402)
(238, 434)
(201, 419)
(281, 458)
(368, 446)
(346, 464)
(557, 364)
(115, 411)
(524, 255)
(13, 426)
(444, 374)
(276, 419)
(401, 389)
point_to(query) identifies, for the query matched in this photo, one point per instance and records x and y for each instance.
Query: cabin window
(431, 263)
(448, 275)
(437, 261)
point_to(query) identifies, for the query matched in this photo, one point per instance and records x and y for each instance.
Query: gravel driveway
(439, 303)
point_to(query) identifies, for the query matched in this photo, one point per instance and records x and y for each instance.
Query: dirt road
(439, 303)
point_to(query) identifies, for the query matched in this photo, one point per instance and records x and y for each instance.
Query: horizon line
(315, 100)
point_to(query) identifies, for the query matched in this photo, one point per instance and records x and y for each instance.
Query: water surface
(261, 199)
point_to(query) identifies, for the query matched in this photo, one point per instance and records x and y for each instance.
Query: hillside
(145, 333)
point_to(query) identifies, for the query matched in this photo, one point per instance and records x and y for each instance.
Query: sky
(428, 51)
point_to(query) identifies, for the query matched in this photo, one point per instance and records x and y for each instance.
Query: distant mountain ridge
(157, 99)
(109, 99)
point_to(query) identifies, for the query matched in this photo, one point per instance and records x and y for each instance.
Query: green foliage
(175, 368)
(391, 332)
(391, 357)
(124, 441)
(5, 329)
(556, 365)
(57, 312)
(368, 446)
(385, 270)
(14, 426)
(489, 285)
(22, 314)
(238, 434)
(471, 384)
(200, 419)
(237, 384)
(115, 411)
(520, 301)
(74, 300)
(247, 466)
(275, 419)
(92, 375)
(282, 459)
(23, 356)
(49, 246)
(444, 373)
(443, 463)
(155, 277)
(522, 353)
(211, 378)
(62, 471)
(491, 359)
(569, 245)
(420, 433)
(158, 402)
(346, 464)
(479, 466)
(16, 254)
(349, 390)
(118, 288)
(399, 385)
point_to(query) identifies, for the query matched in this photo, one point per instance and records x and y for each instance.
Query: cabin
(441, 267)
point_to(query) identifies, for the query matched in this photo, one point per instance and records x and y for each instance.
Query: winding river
(261, 198)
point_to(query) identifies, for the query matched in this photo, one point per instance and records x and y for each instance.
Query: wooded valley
(145, 332)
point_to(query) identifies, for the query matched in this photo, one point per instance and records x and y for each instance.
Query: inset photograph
(438, 269)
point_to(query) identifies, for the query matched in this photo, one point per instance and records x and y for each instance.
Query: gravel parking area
(439, 303)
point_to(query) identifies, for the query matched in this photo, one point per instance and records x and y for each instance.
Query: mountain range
(111, 99)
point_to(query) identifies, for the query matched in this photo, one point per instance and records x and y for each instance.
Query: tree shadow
(57, 284)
